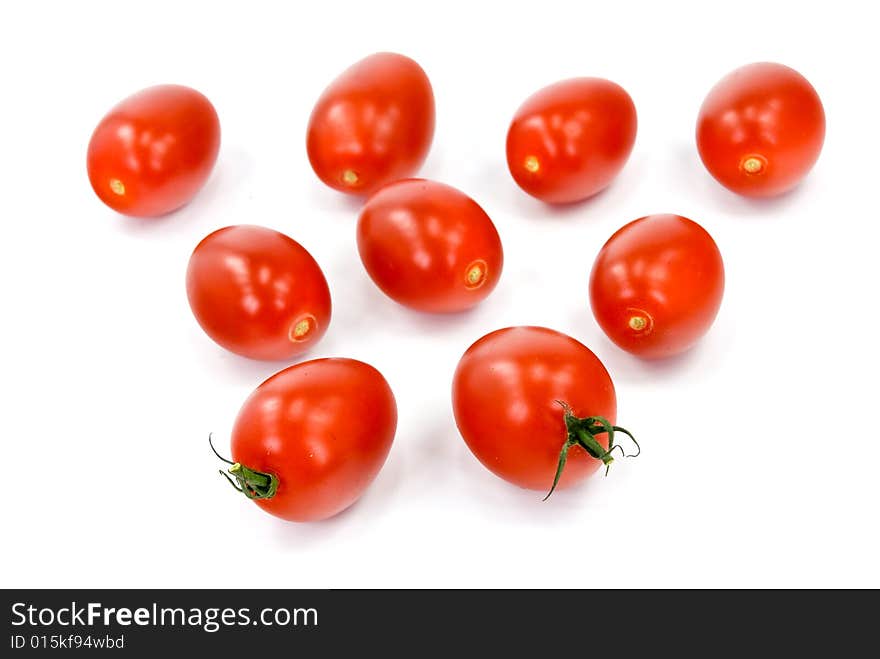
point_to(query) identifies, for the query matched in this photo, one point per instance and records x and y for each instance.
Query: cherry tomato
(257, 292)
(429, 246)
(311, 438)
(532, 403)
(372, 125)
(761, 129)
(569, 140)
(154, 151)
(656, 285)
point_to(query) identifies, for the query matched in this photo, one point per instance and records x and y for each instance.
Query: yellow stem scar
(475, 274)
(301, 329)
(753, 164)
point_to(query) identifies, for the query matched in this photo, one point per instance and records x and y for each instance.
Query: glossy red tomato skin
(429, 246)
(663, 269)
(154, 151)
(258, 293)
(324, 428)
(504, 396)
(764, 115)
(568, 141)
(374, 124)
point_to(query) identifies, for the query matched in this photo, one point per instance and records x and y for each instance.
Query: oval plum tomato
(536, 407)
(372, 125)
(569, 140)
(311, 438)
(257, 292)
(761, 129)
(429, 246)
(656, 285)
(154, 151)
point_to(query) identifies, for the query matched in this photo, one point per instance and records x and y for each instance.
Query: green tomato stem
(254, 484)
(250, 482)
(582, 432)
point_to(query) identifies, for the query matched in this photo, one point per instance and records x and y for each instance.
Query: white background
(761, 447)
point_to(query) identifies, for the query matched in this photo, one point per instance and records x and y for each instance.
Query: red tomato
(657, 284)
(372, 125)
(531, 402)
(761, 129)
(257, 292)
(154, 151)
(569, 140)
(429, 246)
(311, 439)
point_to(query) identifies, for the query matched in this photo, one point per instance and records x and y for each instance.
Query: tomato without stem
(429, 246)
(311, 439)
(154, 151)
(372, 125)
(761, 129)
(569, 140)
(533, 405)
(656, 285)
(257, 292)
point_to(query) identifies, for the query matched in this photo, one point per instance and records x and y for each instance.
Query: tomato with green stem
(311, 439)
(761, 129)
(154, 151)
(536, 407)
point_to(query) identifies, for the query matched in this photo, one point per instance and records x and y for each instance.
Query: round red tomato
(569, 140)
(154, 151)
(429, 246)
(656, 285)
(372, 125)
(257, 292)
(311, 439)
(532, 403)
(761, 129)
